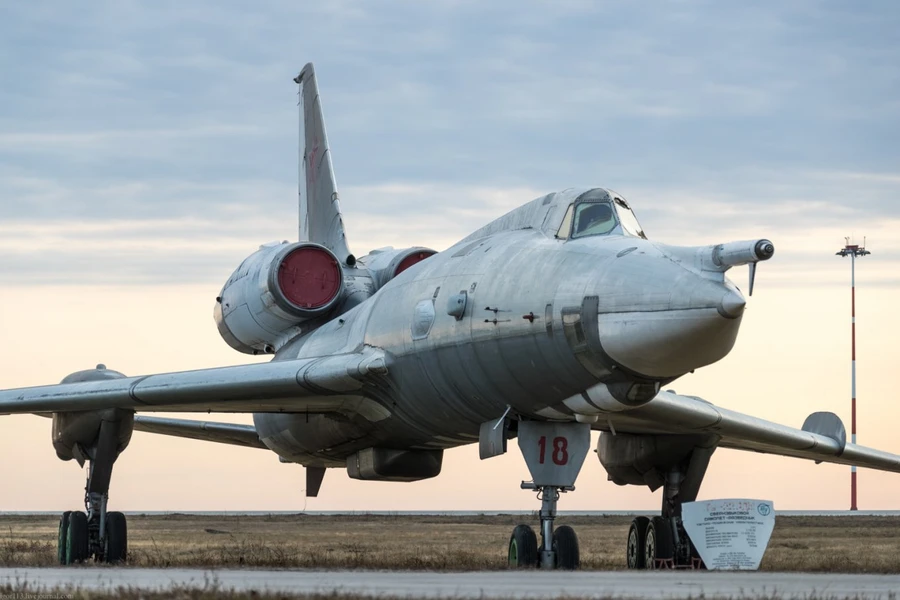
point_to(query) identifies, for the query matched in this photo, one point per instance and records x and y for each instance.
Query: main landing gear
(554, 453)
(559, 547)
(95, 534)
(661, 542)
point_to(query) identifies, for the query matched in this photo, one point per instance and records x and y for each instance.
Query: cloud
(135, 130)
(166, 250)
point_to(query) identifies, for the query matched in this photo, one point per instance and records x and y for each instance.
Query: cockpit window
(566, 225)
(593, 218)
(629, 222)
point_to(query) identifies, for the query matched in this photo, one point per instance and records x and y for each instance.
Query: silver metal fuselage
(545, 319)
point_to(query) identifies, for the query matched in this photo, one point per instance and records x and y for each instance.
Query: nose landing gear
(554, 453)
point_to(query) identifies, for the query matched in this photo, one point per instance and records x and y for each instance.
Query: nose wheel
(558, 548)
(554, 453)
(523, 548)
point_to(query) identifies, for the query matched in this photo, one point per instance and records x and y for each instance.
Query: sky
(147, 148)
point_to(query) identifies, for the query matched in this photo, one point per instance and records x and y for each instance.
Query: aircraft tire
(77, 538)
(659, 543)
(523, 550)
(62, 536)
(565, 548)
(116, 538)
(635, 554)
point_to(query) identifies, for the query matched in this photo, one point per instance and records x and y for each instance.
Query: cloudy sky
(147, 148)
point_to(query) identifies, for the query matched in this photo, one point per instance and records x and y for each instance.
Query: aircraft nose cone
(660, 320)
(732, 304)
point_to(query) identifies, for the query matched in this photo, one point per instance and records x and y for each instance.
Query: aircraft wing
(822, 438)
(207, 431)
(324, 384)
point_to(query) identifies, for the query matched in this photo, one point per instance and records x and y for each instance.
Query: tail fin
(320, 211)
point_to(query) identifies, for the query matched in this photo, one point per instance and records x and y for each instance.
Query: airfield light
(853, 250)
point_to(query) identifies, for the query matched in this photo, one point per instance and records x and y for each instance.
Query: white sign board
(729, 534)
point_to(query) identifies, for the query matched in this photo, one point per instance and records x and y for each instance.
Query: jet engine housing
(386, 263)
(274, 291)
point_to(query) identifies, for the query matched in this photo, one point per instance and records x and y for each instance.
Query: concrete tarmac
(495, 584)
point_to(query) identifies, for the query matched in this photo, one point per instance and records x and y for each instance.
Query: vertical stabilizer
(320, 211)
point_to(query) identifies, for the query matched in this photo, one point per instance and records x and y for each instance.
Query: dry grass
(837, 544)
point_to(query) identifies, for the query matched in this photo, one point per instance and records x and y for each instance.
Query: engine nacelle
(386, 263)
(275, 290)
(75, 434)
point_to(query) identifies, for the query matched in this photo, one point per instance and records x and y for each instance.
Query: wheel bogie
(62, 537)
(659, 546)
(635, 553)
(116, 541)
(77, 538)
(523, 551)
(565, 549)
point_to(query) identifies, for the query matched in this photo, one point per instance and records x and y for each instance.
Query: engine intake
(273, 291)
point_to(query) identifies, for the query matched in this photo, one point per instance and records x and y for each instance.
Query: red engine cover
(415, 257)
(309, 277)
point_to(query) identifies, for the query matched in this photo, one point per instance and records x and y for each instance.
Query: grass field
(836, 544)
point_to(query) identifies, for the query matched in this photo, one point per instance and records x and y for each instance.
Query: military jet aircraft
(555, 319)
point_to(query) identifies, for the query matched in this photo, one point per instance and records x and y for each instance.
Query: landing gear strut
(96, 533)
(558, 548)
(662, 542)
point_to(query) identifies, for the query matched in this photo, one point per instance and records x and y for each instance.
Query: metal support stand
(549, 496)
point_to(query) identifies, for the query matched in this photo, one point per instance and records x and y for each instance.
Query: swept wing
(323, 384)
(675, 414)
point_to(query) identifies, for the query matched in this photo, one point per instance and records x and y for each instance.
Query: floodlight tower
(853, 250)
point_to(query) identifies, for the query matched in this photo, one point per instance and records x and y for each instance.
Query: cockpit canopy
(568, 214)
(597, 212)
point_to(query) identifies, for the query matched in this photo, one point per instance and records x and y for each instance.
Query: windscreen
(593, 218)
(629, 222)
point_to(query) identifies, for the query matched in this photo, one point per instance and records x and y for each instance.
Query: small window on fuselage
(593, 218)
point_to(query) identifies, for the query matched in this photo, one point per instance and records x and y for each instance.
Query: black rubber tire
(565, 548)
(635, 550)
(116, 538)
(77, 538)
(523, 550)
(659, 543)
(62, 536)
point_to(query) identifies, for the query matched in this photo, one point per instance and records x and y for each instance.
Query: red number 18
(559, 451)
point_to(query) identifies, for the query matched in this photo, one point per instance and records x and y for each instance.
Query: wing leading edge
(325, 384)
(675, 414)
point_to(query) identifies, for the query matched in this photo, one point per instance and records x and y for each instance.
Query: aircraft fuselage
(543, 319)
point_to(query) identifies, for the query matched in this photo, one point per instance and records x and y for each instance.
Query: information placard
(730, 534)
